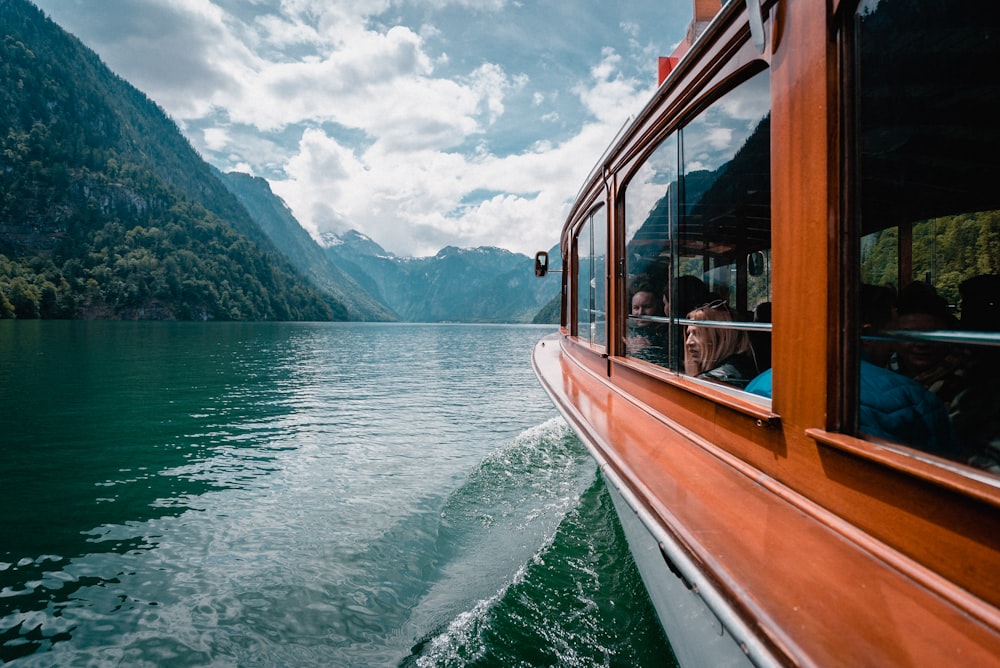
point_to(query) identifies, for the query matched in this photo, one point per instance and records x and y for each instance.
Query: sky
(419, 123)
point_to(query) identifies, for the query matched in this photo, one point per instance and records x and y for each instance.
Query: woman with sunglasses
(721, 354)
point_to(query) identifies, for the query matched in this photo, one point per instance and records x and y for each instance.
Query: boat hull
(697, 636)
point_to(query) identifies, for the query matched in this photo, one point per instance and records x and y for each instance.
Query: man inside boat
(721, 354)
(689, 293)
(646, 338)
(942, 368)
(966, 379)
(891, 406)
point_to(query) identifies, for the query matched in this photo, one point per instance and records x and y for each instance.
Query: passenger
(976, 419)
(877, 313)
(646, 339)
(645, 301)
(762, 313)
(975, 411)
(894, 408)
(940, 367)
(981, 303)
(761, 340)
(981, 313)
(691, 293)
(890, 405)
(718, 353)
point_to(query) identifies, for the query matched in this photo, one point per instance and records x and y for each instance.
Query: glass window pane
(929, 230)
(724, 227)
(698, 234)
(584, 274)
(650, 218)
(599, 279)
(591, 279)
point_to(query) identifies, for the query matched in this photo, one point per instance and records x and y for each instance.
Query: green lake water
(301, 494)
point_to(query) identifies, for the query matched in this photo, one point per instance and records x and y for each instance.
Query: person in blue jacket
(894, 408)
(891, 406)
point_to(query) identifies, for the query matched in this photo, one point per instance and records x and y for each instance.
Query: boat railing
(961, 337)
(721, 324)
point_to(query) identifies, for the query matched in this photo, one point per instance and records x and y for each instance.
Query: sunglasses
(718, 303)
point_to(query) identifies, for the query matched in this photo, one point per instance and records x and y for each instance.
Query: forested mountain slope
(276, 220)
(106, 211)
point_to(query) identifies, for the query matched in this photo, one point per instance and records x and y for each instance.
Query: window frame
(844, 396)
(587, 223)
(729, 79)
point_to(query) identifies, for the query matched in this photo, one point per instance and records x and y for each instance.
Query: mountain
(106, 211)
(274, 217)
(484, 284)
(457, 285)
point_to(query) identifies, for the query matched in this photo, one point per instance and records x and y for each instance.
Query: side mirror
(541, 263)
(755, 264)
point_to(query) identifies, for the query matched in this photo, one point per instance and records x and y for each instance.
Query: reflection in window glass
(698, 233)
(591, 288)
(650, 225)
(599, 288)
(929, 233)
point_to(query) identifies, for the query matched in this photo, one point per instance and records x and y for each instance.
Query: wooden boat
(795, 154)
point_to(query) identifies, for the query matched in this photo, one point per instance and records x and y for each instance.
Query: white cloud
(610, 91)
(393, 117)
(396, 194)
(216, 139)
(181, 50)
(317, 176)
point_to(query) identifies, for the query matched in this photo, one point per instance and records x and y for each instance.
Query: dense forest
(945, 252)
(106, 211)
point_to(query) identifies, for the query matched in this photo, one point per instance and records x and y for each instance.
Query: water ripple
(280, 494)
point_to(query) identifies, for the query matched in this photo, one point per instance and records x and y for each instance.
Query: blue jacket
(895, 408)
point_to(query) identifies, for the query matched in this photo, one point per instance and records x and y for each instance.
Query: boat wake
(548, 577)
(522, 558)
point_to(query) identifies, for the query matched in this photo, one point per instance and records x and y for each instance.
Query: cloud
(216, 138)
(408, 198)
(182, 50)
(609, 91)
(421, 123)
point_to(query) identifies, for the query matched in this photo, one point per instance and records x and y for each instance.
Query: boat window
(650, 226)
(591, 279)
(928, 226)
(698, 237)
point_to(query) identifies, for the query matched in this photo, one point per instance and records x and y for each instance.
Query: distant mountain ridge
(484, 284)
(276, 220)
(354, 241)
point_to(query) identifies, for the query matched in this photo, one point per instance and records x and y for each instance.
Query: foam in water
(563, 605)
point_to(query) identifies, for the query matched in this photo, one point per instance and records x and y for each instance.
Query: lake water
(301, 494)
